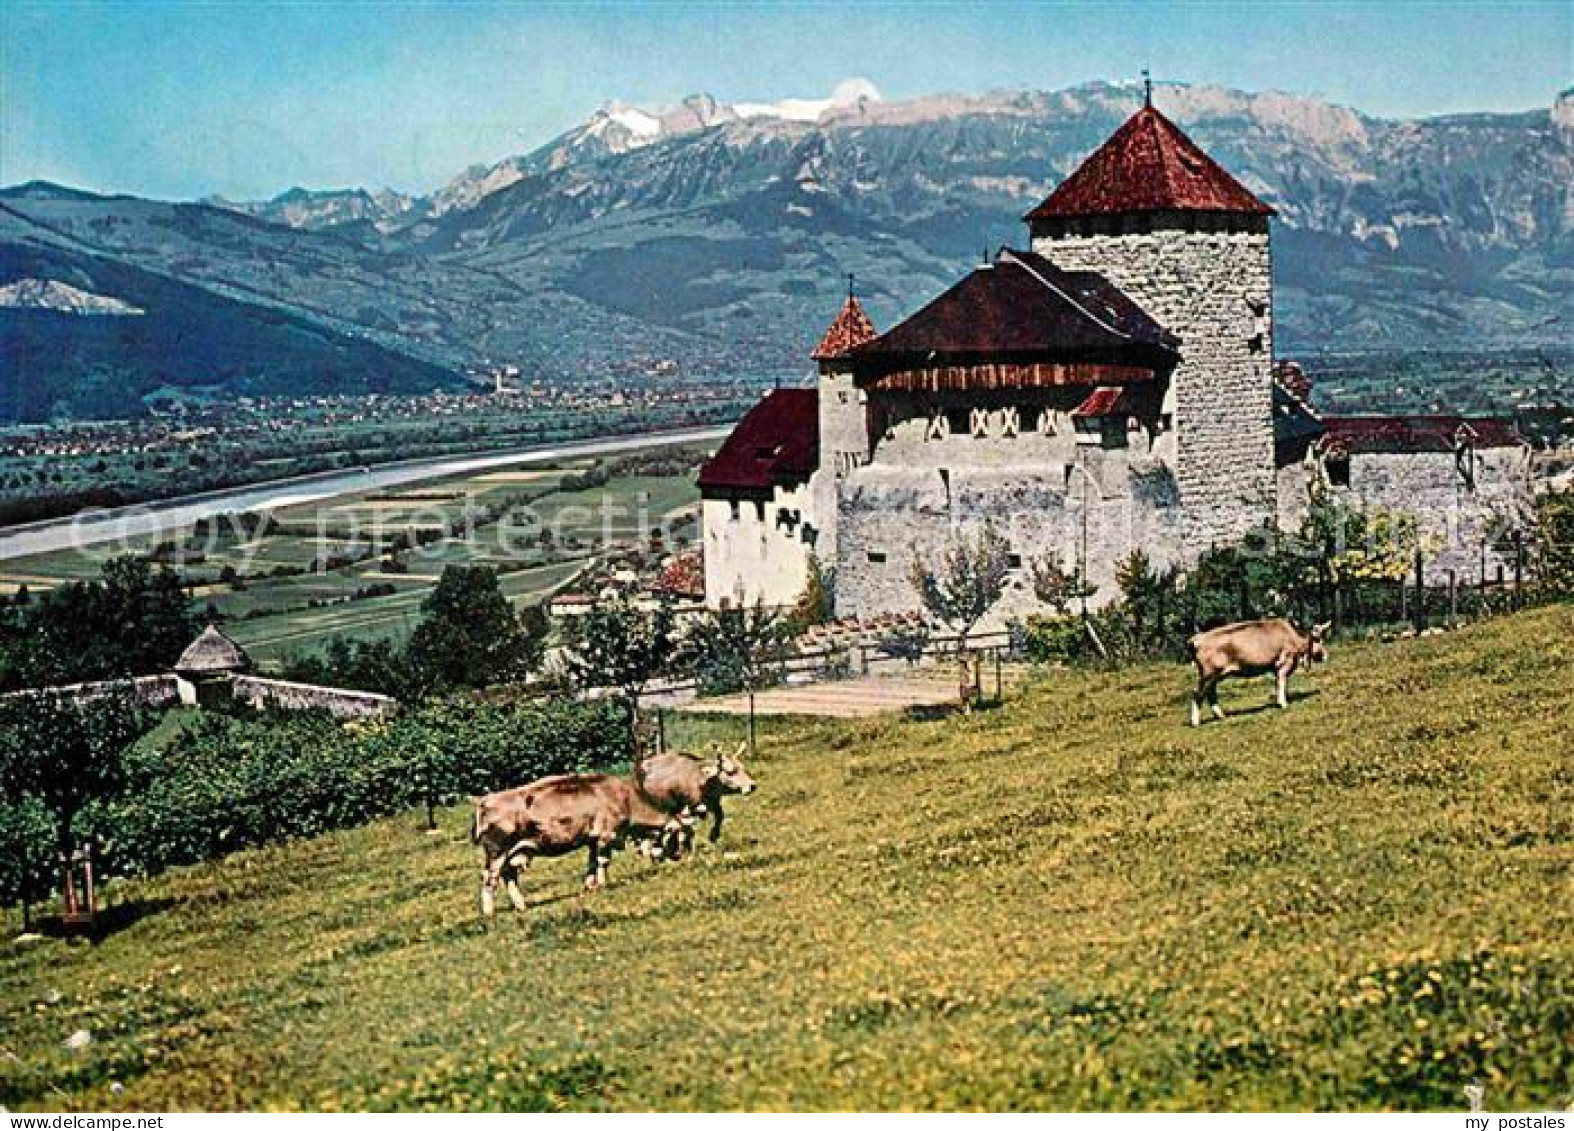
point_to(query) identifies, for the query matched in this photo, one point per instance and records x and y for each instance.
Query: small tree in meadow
(618, 646)
(737, 649)
(471, 636)
(966, 583)
(1057, 586)
(65, 753)
(815, 605)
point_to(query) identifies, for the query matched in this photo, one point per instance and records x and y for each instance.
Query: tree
(1554, 544)
(618, 646)
(470, 636)
(1057, 586)
(737, 649)
(65, 753)
(970, 578)
(365, 665)
(27, 871)
(816, 604)
(135, 620)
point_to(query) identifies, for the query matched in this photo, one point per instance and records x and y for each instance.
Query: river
(168, 515)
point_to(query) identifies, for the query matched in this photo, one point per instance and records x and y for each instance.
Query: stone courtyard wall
(280, 694)
(1454, 518)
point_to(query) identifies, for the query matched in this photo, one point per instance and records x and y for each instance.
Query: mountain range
(720, 236)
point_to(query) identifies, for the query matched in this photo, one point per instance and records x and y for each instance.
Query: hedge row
(230, 782)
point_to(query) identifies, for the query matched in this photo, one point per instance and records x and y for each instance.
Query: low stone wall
(339, 702)
(148, 690)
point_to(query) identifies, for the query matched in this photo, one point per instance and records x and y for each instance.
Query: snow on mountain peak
(848, 92)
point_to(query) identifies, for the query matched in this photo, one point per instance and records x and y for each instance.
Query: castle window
(978, 422)
(1027, 418)
(876, 557)
(1013, 561)
(1010, 422)
(732, 510)
(958, 422)
(1338, 468)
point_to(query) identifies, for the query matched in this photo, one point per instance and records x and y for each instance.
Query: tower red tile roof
(777, 443)
(1148, 165)
(851, 328)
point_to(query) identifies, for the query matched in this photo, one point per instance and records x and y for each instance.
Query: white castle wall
(1212, 289)
(755, 550)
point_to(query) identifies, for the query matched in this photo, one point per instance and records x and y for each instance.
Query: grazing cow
(685, 788)
(1253, 647)
(553, 817)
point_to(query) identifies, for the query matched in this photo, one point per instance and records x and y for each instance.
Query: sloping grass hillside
(1073, 901)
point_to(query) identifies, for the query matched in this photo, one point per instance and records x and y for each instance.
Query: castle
(1112, 388)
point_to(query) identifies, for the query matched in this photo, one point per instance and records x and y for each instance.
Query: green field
(1070, 901)
(277, 617)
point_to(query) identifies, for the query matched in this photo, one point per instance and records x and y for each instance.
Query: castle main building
(1110, 389)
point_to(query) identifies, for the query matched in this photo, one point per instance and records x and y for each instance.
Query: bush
(1554, 545)
(27, 853)
(233, 782)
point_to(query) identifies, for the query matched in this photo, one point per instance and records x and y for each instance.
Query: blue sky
(246, 99)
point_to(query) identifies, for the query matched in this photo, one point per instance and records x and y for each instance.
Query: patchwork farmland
(324, 570)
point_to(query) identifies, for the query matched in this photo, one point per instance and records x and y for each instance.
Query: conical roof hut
(212, 654)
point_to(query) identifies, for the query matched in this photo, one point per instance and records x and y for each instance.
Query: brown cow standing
(685, 788)
(553, 817)
(1251, 648)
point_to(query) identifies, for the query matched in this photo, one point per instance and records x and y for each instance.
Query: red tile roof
(1023, 305)
(851, 328)
(1148, 165)
(777, 443)
(1374, 434)
(1106, 400)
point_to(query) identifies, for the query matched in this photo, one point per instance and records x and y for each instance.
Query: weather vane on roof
(1147, 87)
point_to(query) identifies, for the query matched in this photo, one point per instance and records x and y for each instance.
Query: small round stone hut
(207, 667)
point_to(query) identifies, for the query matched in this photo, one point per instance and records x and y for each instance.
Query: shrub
(232, 782)
(27, 854)
(1554, 545)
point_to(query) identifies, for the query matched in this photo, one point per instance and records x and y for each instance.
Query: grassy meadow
(1072, 901)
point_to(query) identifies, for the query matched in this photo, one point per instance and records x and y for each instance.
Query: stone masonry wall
(1213, 290)
(892, 513)
(1454, 519)
(337, 701)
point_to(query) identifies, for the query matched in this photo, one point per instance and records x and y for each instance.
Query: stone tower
(844, 428)
(1158, 217)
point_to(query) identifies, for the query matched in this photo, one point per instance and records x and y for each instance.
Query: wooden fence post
(1420, 621)
(1453, 599)
(1519, 569)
